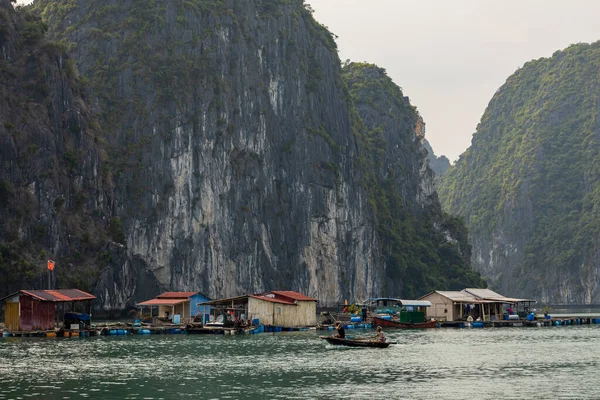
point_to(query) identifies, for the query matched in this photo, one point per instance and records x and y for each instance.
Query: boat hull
(355, 343)
(401, 325)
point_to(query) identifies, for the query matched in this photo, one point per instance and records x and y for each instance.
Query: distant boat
(356, 342)
(390, 323)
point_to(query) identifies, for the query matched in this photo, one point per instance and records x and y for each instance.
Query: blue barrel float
(386, 317)
(478, 324)
(356, 319)
(143, 331)
(530, 317)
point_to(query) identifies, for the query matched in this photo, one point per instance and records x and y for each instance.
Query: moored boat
(355, 342)
(390, 323)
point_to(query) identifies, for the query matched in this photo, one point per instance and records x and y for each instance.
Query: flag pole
(50, 272)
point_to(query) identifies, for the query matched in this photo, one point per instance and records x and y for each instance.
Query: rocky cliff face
(439, 165)
(53, 191)
(423, 248)
(229, 130)
(529, 185)
(238, 159)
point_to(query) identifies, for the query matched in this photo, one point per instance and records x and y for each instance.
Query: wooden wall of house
(11, 315)
(36, 315)
(441, 307)
(293, 316)
(284, 315)
(263, 310)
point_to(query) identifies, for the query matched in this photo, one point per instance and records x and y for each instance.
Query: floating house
(477, 303)
(407, 310)
(43, 310)
(177, 307)
(285, 309)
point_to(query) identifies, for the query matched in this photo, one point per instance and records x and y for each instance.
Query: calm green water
(508, 363)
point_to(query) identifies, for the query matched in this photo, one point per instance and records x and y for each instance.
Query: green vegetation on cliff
(425, 249)
(244, 159)
(49, 179)
(529, 185)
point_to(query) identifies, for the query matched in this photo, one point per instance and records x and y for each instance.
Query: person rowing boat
(341, 332)
(380, 337)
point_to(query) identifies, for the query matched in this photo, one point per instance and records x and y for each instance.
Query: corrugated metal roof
(413, 303)
(59, 295)
(226, 301)
(293, 295)
(486, 294)
(416, 303)
(461, 297)
(382, 299)
(162, 302)
(490, 295)
(273, 299)
(275, 296)
(176, 295)
(477, 296)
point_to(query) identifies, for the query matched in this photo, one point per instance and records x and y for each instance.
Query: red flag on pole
(51, 265)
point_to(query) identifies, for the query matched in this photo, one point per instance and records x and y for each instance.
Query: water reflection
(488, 363)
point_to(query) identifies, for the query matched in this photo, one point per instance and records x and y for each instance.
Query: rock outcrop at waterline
(239, 161)
(529, 185)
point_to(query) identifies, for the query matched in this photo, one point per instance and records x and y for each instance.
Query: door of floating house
(11, 319)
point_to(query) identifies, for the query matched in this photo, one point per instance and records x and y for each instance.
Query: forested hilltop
(230, 154)
(529, 185)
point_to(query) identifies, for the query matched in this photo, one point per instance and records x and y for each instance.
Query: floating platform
(562, 321)
(331, 327)
(51, 333)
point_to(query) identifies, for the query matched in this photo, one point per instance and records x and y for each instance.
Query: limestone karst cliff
(54, 192)
(529, 185)
(240, 159)
(438, 164)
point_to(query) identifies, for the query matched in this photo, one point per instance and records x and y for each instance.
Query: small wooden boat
(355, 342)
(377, 321)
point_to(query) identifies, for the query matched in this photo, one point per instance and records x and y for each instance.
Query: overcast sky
(451, 56)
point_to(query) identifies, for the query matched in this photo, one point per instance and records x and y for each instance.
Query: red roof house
(32, 310)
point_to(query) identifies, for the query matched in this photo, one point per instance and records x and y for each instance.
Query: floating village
(68, 313)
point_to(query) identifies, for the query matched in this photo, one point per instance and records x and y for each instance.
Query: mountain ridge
(528, 185)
